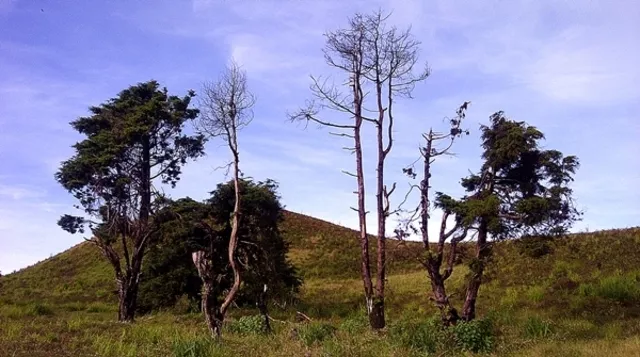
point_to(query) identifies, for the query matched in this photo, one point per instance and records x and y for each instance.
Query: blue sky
(568, 67)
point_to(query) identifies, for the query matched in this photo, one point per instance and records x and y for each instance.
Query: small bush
(474, 336)
(535, 327)
(534, 247)
(422, 337)
(247, 325)
(315, 332)
(621, 288)
(39, 310)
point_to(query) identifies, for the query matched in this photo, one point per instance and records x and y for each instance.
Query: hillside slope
(575, 296)
(325, 254)
(319, 249)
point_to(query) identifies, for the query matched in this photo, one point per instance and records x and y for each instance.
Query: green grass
(575, 296)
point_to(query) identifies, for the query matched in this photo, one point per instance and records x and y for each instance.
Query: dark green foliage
(313, 332)
(39, 310)
(169, 273)
(247, 325)
(130, 139)
(534, 247)
(261, 248)
(475, 336)
(188, 225)
(521, 190)
(430, 337)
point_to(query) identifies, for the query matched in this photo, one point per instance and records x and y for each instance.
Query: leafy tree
(520, 190)
(189, 226)
(132, 141)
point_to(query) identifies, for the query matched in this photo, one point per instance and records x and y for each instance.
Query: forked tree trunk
(211, 310)
(482, 252)
(127, 297)
(448, 313)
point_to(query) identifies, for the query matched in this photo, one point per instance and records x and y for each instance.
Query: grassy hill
(575, 296)
(319, 249)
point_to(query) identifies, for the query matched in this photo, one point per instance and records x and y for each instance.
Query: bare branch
(349, 173)
(342, 134)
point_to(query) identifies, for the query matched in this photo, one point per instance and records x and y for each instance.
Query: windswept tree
(372, 56)
(132, 141)
(521, 190)
(226, 108)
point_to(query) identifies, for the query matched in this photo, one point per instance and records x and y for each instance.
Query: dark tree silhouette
(131, 142)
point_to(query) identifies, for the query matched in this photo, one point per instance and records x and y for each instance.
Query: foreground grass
(525, 323)
(81, 333)
(576, 296)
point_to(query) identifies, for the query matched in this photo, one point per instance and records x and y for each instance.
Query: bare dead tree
(372, 56)
(391, 57)
(434, 259)
(226, 108)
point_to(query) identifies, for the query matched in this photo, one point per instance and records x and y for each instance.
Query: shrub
(246, 325)
(422, 337)
(39, 310)
(474, 336)
(621, 288)
(535, 327)
(534, 247)
(315, 332)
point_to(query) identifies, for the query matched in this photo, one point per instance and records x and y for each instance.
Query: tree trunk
(448, 313)
(477, 268)
(264, 309)
(376, 316)
(129, 281)
(127, 297)
(211, 311)
(362, 213)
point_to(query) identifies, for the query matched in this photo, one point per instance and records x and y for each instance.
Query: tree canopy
(188, 226)
(521, 189)
(132, 141)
